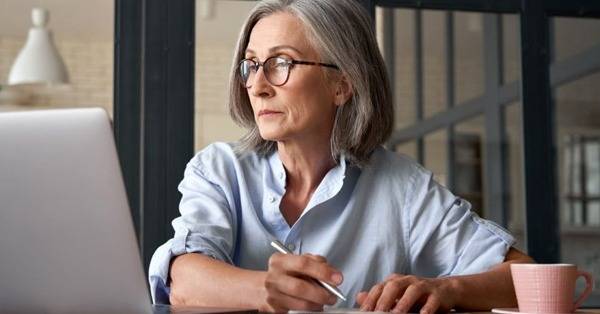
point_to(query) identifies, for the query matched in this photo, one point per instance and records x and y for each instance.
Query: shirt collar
(329, 186)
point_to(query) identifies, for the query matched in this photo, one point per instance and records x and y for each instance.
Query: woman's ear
(343, 91)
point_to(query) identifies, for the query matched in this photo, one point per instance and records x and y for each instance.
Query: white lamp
(39, 61)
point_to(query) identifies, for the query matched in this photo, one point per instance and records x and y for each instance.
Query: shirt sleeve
(446, 238)
(206, 226)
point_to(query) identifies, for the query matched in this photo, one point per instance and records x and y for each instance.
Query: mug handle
(589, 285)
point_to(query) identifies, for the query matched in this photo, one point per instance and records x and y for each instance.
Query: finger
(394, 276)
(391, 292)
(372, 298)
(405, 280)
(316, 258)
(411, 295)
(431, 306)
(360, 297)
(303, 265)
(174, 300)
(281, 302)
(271, 308)
(307, 290)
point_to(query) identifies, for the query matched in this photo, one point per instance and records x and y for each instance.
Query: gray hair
(341, 31)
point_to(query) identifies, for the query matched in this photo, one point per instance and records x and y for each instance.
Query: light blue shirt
(388, 217)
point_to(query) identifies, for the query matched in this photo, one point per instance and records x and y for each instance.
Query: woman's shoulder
(220, 157)
(397, 166)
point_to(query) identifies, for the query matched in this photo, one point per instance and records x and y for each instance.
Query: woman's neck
(306, 164)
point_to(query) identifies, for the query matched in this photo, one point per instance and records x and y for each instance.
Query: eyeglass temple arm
(315, 63)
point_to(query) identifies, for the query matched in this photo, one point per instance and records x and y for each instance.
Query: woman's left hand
(401, 293)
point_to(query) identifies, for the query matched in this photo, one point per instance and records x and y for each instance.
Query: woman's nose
(261, 86)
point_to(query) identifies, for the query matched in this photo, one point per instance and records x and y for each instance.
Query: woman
(310, 85)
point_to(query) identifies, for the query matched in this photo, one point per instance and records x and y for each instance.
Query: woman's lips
(267, 112)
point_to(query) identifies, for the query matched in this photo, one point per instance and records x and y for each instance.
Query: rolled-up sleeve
(446, 238)
(206, 226)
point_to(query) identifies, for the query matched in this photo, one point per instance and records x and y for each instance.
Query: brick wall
(213, 63)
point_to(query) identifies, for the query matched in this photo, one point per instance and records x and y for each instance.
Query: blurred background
(457, 95)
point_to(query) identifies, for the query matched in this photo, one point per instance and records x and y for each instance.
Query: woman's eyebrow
(284, 47)
(277, 48)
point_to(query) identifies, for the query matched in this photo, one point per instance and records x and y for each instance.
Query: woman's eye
(281, 64)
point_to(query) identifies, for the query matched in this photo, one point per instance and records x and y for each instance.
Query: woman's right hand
(290, 283)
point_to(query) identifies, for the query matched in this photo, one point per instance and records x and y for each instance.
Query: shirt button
(272, 199)
(281, 175)
(291, 246)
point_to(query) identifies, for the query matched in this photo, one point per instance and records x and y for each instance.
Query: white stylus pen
(282, 249)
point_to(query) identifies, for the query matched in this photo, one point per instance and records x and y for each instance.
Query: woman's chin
(270, 136)
(271, 132)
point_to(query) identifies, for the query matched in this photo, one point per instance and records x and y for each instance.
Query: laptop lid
(67, 243)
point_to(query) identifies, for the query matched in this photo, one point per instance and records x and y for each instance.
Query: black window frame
(542, 224)
(154, 110)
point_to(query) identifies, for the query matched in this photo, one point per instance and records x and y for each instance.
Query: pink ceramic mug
(548, 288)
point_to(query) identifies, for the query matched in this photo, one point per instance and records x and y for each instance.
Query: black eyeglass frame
(290, 63)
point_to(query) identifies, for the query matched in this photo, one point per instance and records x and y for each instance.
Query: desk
(165, 309)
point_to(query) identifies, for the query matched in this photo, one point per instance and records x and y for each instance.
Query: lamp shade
(39, 60)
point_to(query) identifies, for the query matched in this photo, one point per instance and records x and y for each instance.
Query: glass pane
(436, 155)
(87, 51)
(511, 47)
(576, 215)
(409, 149)
(578, 139)
(573, 36)
(592, 158)
(217, 26)
(404, 85)
(573, 170)
(594, 213)
(468, 50)
(515, 196)
(434, 62)
(468, 61)
(468, 142)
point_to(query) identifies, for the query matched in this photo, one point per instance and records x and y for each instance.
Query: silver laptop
(67, 243)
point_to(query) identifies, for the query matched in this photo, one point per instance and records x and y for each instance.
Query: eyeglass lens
(276, 71)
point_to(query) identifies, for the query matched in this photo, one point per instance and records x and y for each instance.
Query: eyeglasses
(276, 70)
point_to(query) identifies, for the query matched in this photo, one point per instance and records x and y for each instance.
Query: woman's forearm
(484, 291)
(490, 289)
(199, 280)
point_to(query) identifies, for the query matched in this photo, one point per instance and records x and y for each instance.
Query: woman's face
(302, 108)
